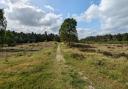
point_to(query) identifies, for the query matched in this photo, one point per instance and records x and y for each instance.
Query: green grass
(104, 72)
(40, 70)
(29, 72)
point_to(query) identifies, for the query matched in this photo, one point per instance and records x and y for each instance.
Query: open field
(104, 65)
(43, 68)
(51, 65)
(21, 49)
(28, 70)
(63, 44)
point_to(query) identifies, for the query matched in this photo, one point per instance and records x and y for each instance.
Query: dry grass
(38, 70)
(104, 64)
(22, 49)
(30, 69)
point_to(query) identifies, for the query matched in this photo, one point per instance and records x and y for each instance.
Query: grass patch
(29, 72)
(105, 71)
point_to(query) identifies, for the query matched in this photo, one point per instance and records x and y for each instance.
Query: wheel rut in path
(61, 67)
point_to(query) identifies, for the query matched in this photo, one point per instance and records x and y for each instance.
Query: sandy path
(60, 62)
(59, 65)
(59, 56)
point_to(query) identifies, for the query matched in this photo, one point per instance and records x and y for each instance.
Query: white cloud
(49, 7)
(23, 16)
(91, 13)
(85, 32)
(27, 16)
(112, 14)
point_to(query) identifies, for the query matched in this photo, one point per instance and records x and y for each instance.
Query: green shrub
(77, 56)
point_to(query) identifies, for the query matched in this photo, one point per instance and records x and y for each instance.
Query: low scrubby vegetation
(108, 53)
(28, 69)
(117, 55)
(104, 64)
(77, 56)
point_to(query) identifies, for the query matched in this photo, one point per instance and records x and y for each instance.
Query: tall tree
(3, 25)
(68, 32)
(46, 36)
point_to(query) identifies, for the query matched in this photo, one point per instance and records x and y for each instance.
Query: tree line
(11, 38)
(117, 38)
(67, 33)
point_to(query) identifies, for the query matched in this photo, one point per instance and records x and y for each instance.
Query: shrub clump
(87, 50)
(77, 56)
(100, 62)
(114, 55)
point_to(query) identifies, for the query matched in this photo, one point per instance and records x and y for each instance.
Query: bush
(114, 55)
(87, 50)
(76, 45)
(100, 62)
(107, 53)
(77, 56)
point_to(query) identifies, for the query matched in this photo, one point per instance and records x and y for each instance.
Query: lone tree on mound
(68, 32)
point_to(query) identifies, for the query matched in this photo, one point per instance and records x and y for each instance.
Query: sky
(94, 17)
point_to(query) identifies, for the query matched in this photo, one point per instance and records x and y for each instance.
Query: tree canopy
(12, 38)
(3, 25)
(117, 38)
(68, 32)
(3, 22)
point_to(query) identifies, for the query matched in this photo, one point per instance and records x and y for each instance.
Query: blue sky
(69, 7)
(94, 17)
(66, 6)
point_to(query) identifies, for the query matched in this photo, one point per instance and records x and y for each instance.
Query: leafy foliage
(12, 38)
(68, 32)
(3, 25)
(3, 22)
(107, 38)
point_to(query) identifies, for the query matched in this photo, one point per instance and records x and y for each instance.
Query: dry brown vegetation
(21, 50)
(33, 66)
(25, 68)
(106, 65)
